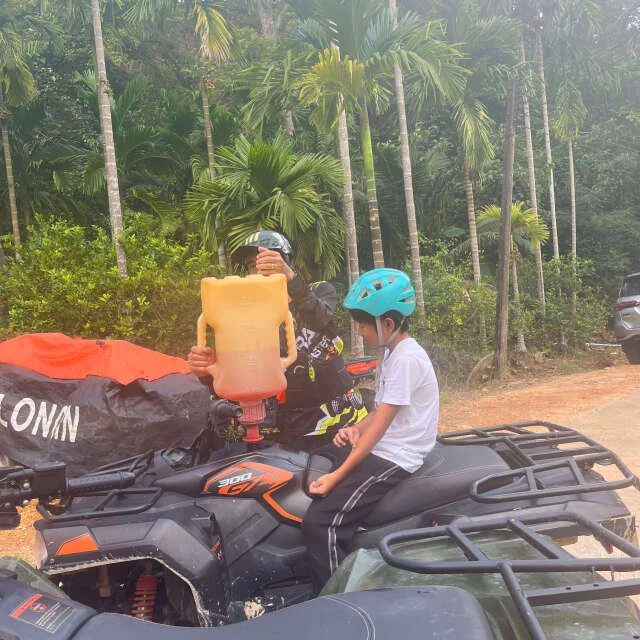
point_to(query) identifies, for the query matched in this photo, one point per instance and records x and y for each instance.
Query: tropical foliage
(230, 116)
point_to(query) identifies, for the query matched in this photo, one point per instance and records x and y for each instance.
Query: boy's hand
(323, 485)
(347, 435)
(199, 359)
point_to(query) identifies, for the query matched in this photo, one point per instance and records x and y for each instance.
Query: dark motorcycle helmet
(267, 239)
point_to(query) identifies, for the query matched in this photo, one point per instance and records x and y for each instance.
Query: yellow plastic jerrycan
(246, 314)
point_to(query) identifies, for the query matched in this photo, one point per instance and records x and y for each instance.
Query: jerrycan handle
(291, 342)
(202, 341)
(202, 331)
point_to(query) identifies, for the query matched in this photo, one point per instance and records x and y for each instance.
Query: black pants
(331, 522)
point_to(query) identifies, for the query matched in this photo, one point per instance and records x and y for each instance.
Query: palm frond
(474, 128)
(571, 111)
(129, 96)
(212, 29)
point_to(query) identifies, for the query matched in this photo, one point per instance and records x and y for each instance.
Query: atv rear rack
(555, 560)
(538, 452)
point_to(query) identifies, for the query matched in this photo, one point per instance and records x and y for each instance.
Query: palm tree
(527, 232)
(407, 175)
(144, 155)
(489, 49)
(365, 33)
(267, 186)
(17, 87)
(215, 41)
(550, 14)
(369, 34)
(108, 145)
(329, 86)
(533, 196)
(547, 142)
(504, 247)
(571, 114)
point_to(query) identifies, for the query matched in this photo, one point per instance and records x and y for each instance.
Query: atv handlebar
(103, 482)
(223, 410)
(18, 486)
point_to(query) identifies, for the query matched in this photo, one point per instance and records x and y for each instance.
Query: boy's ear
(389, 324)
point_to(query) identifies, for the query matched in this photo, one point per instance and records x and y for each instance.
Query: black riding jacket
(318, 375)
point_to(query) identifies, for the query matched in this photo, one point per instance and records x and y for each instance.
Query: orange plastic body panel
(81, 544)
(252, 479)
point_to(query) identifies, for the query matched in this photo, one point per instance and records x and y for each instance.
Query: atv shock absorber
(144, 598)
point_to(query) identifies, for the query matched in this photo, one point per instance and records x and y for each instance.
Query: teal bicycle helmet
(381, 290)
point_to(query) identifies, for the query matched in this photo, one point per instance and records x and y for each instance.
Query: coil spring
(145, 597)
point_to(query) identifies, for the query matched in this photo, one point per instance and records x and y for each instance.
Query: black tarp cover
(90, 402)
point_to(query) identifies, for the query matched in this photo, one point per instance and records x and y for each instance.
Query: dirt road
(603, 404)
(572, 400)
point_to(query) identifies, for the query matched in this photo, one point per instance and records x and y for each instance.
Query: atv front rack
(137, 464)
(549, 448)
(108, 503)
(554, 560)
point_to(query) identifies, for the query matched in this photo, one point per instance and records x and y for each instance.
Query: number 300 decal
(234, 480)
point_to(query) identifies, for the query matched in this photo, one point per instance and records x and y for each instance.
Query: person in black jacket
(320, 397)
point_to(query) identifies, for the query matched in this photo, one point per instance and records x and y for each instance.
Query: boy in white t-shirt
(393, 440)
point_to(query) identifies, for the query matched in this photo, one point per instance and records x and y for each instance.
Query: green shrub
(67, 281)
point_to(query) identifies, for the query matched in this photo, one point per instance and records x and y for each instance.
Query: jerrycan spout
(252, 416)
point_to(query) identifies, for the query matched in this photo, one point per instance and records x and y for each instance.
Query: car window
(630, 287)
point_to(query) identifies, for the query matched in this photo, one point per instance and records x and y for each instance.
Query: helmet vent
(407, 295)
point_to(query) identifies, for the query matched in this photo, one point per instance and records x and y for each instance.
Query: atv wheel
(631, 349)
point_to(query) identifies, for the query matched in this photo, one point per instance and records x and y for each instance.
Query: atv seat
(446, 476)
(384, 614)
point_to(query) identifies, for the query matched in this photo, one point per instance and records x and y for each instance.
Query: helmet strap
(382, 343)
(382, 346)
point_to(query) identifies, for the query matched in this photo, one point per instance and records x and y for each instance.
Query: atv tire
(631, 349)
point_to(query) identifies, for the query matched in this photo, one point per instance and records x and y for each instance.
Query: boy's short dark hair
(366, 318)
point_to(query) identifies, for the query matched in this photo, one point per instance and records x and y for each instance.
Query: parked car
(627, 318)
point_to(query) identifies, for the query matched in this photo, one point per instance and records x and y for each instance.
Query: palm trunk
(547, 146)
(520, 343)
(407, 176)
(533, 196)
(267, 23)
(208, 131)
(208, 134)
(287, 123)
(370, 178)
(348, 212)
(11, 186)
(414, 245)
(347, 199)
(269, 29)
(502, 302)
(108, 145)
(473, 239)
(574, 247)
(473, 232)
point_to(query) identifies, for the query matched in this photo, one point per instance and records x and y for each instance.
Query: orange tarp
(58, 356)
